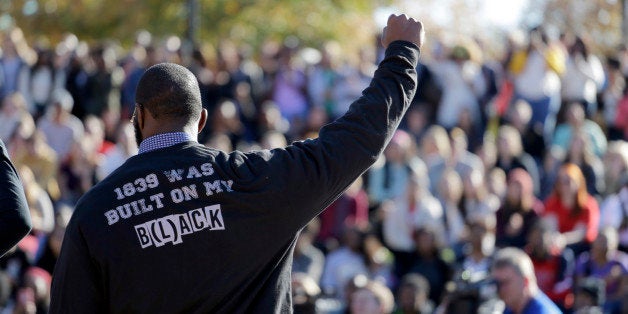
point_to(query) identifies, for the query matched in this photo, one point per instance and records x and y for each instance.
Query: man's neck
(523, 303)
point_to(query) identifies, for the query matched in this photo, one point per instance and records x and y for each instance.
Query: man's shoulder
(541, 304)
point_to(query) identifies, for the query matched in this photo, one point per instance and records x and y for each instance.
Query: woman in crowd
(519, 211)
(572, 209)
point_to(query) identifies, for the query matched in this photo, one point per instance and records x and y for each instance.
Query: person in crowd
(226, 119)
(463, 84)
(323, 77)
(95, 134)
(14, 59)
(76, 80)
(12, 112)
(38, 82)
(551, 163)
(621, 115)
(583, 77)
(476, 199)
(430, 262)
(589, 296)
(614, 213)
(519, 211)
(435, 150)
(460, 159)
(576, 121)
(34, 291)
(103, 82)
(77, 174)
(379, 263)
(373, 298)
(124, 148)
(532, 139)
(307, 258)
(496, 181)
(289, 91)
(612, 93)
(615, 163)
(388, 178)
(344, 263)
(536, 71)
(354, 75)
(401, 216)
(39, 204)
(553, 264)
(572, 210)
(427, 98)
(580, 153)
(271, 140)
(513, 272)
(51, 246)
(510, 155)
(413, 296)
(606, 262)
(59, 127)
(31, 150)
(140, 58)
(450, 195)
(487, 152)
(350, 209)
(478, 247)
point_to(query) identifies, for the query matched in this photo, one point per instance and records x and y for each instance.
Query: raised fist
(400, 27)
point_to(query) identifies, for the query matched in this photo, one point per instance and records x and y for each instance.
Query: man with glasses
(513, 273)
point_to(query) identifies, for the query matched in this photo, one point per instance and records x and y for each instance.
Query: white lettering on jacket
(172, 228)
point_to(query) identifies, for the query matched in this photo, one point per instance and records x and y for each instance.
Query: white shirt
(399, 222)
(537, 81)
(612, 212)
(340, 267)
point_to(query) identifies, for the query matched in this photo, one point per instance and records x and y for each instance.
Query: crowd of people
(527, 151)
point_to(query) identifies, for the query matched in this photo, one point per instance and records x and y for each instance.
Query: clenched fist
(400, 27)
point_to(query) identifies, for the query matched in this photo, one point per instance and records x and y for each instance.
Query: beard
(137, 131)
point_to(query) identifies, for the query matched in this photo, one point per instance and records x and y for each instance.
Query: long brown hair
(573, 171)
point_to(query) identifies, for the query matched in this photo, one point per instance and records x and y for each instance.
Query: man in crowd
(513, 273)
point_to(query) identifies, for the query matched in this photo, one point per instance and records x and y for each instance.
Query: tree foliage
(251, 21)
(599, 21)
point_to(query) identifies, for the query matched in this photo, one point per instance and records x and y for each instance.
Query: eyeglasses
(135, 110)
(500, 283)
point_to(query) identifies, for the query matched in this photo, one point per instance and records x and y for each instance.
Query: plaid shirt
(163, 140)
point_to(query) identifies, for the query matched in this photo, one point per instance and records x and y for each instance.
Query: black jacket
(15, 219)
(188, 229)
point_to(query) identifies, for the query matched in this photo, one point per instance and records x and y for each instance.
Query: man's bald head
(170, 93)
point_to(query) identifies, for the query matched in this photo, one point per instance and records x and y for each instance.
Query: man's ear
(203, 120)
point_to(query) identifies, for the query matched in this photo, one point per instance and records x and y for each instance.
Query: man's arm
(15, 219)
(301, 180)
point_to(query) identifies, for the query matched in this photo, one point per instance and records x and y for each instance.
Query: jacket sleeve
(307, 176)
(15, 219)
(76, 284)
